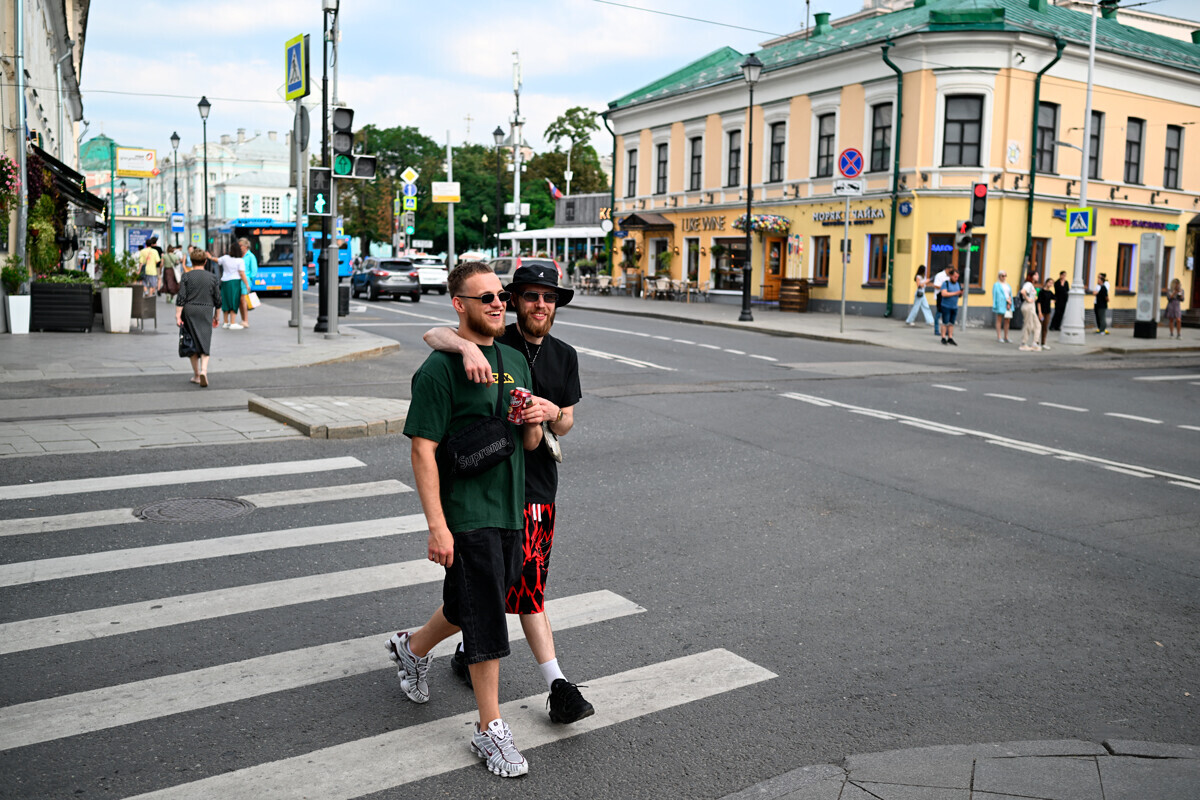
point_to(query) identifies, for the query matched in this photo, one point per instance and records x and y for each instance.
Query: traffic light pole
(335, 253)
(323, 260)
(299, 274)
(966, 295)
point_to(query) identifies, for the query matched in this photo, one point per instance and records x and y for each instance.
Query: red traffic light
(981, 190)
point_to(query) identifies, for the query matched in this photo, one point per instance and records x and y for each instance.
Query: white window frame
(693, 130)
(779, 112)
(873, 95)
(657, 137)
(729, 124)
(966, 82)
(822, 104)
(631, 191)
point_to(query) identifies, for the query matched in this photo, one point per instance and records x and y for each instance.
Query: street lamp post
(498, 138)
(175, 158)
(204, 106)
(751, 69)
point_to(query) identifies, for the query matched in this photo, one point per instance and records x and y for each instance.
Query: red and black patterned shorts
(528, 594)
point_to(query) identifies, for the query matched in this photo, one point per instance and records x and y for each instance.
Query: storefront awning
(644, 222)
(559, 232)
(69, 182)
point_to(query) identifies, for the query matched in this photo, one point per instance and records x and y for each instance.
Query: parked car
(507, 265)
(433, 273)
(386, 276)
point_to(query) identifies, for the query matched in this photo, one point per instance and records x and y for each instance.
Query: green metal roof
(942, 16)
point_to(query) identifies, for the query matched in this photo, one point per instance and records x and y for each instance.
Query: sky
(425, 64)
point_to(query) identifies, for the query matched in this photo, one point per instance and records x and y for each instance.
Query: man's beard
(535, 328)
(483, 325)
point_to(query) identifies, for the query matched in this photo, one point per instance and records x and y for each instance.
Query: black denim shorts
(487, 562)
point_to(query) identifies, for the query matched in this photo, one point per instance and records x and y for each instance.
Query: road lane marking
(1012, 397)
(1188, 485)
(764, 358)
(662, 338)
(413, 753)
(994, 438)
(121, 516)
(930, 426)
(632, 362)
(415, 314)
(1167, 378)
(948, 387)
(1132, 417)
(708, 346)
(735, 352)
(1064, 408)
(110, 483)
(1018, 446)
(31, 634)
(1190, 427)
(875, 414)
(85, 712)
(47, 569)
(1123, 471)
(683, 341)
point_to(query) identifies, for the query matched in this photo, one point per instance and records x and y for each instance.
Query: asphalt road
(919, 552)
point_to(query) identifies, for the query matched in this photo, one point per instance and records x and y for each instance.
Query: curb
(335, 418)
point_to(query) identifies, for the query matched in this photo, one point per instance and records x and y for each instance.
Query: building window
(245, 204)
(660, 184)
(1171, 165)
(963, 133)
(1047, 133)
(881, 136)
(1135, 130)
(697, 157)
(820, 259)
(1094, 147)
(943, 254)
(1123, 279)
(692, 246)
(270, 206)
(734, 175)
(1089, 264)
(778, 137)
(977, 244)
(1037, 258)
(940, 255)
(877, 244)
(631, 174)
(826, 128)
(569, 211)
(1168, 252)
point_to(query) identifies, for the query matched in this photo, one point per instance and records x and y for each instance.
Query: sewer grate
(194, 509)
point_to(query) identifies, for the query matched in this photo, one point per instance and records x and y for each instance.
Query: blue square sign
(1081, 221)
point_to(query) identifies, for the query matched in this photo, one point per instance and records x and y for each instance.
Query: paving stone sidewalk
(1050, 770)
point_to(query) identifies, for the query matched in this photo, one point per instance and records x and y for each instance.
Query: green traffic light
(410, 230)
(343, 165)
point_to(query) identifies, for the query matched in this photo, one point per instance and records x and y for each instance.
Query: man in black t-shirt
(554, 366)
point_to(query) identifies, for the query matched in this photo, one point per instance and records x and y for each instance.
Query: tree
(575, 124)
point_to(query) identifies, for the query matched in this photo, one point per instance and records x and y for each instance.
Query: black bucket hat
(540, 275)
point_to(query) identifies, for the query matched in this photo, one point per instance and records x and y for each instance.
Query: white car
(433, 273)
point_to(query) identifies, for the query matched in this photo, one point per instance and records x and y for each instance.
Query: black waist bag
(482, 444)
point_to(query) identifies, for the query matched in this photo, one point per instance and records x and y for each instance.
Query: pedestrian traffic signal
(410, 223)
(343, 142)
(962, 235)
(979, 205)
(319, 184)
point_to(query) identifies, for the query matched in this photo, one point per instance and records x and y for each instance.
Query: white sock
(551, 672)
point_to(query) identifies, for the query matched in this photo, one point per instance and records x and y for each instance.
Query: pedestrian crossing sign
(1081, 221)
(296, 65)
(410, 204)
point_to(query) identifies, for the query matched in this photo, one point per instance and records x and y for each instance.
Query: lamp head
(751, 69)
(498, 136)
(204, 106)
(174, 141)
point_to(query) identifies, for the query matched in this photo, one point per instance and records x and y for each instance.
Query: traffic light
(979, 205)
(343, 142)
(318, 191)
(410, 223)
(364, 168)
(962, 235)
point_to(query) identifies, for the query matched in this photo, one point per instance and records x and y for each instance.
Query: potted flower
(116, 298)
(13, 276)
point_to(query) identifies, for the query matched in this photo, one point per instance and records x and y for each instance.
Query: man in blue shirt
(951, 291)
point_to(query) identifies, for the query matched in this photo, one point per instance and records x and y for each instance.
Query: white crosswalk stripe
(433, 748)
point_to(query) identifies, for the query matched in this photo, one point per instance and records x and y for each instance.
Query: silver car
(386, 276)
(433, 273)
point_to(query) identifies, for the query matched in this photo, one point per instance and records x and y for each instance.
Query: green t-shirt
(443, 401)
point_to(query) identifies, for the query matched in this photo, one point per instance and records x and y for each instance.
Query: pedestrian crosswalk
(111, 592)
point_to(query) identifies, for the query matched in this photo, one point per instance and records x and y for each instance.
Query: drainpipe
(1059, 44)
(898, 127)
(612, 197)
(22, 162)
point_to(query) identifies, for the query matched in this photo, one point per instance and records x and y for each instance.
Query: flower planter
(60, 306)
(18, 313)
(118, 305)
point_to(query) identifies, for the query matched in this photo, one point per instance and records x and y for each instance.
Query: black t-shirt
(555, 368)
(1044, 298)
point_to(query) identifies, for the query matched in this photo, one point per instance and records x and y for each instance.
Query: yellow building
(991, 91)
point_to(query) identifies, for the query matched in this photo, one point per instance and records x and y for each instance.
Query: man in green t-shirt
(476, 524)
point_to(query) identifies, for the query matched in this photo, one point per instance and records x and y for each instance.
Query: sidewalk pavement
(1054, 770)
(880, 331)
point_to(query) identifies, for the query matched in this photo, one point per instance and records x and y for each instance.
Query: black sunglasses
(550, 297)
(487, 297)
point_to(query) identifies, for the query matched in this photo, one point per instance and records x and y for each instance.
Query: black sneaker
(458, 665)
(943, 340)
(951, 341)
(566, 703)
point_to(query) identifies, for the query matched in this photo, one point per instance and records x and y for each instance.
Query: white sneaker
(224, 324)
(234, 327)
(496, 746)
(410, 669)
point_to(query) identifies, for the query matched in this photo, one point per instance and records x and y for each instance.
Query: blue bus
(312, 238)
(272, 242)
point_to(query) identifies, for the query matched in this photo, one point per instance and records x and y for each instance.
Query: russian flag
(554, 192)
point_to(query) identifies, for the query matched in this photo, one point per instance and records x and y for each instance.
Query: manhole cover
(194, 509)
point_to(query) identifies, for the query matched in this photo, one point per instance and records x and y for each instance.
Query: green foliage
(664, 263)
(66, 276)
(575, 124)
(116, 272)
(14, 274)
(42, 250)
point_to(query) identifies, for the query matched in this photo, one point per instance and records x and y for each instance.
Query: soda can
(516, 404)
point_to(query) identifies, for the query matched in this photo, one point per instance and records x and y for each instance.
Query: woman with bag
(1174, 314)
(919, 301)
(233, 279)
(1002, 306)
(197, 312)
(1031, 314)
(250, 264)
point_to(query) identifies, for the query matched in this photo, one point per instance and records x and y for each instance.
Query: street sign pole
(966, 295)
(850, 164)
(845, 262)
(298, 283)
(449, 206)
(333, 264)
(322, 259)
(1072, 331)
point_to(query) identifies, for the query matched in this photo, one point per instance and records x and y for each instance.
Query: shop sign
(703, 224)
(795, 245)
(1143, 223)
(858, 216)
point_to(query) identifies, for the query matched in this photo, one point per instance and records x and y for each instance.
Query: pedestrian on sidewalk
(554, 367)
(951, 291)
(197, 312)
(1062, 291)
(1174, 312)
(1102, 293)
(475, 521)
(938, 281)
(233, 279)
(919, 301)
(171, 272)
(251, 267)
(148, 260)
(1002, 306)
(1045, 298)
(1031, 316)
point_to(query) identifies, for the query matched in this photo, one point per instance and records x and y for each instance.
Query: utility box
(344, 300)
(1150, 257)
